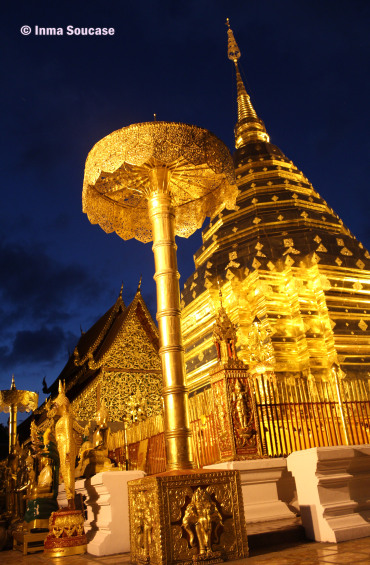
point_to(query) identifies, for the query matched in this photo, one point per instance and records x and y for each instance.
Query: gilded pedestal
(187, 517)
(66, 534)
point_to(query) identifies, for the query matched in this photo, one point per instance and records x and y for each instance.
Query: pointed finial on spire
(120, 292)
(249, 126)
(139, 285)
(155, 117)
(12, 386)
(233, 51)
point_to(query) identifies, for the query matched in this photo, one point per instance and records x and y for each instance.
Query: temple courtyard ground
(308, 553)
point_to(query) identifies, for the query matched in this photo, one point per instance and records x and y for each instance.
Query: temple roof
(88, 356)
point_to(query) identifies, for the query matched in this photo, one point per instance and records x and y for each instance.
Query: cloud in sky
(41, 300)
(42, 345)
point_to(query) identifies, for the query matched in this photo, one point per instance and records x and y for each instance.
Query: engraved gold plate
(185, 518)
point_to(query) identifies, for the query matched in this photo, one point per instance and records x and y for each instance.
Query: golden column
(152, 181)
(15, 400)
(176, 420)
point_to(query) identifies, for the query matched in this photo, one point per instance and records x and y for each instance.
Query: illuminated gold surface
(118, 179)
(66, 443)
(177, 428)
(130, 366)
(93, 455)
(201, 522)
(13, 401)
(296, 283)
(249, 126)
(66, 534)
(176, 518)
(152, 181)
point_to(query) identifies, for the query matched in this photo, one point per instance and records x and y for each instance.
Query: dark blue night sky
(305, 65)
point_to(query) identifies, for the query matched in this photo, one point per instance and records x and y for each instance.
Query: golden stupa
(295, 282)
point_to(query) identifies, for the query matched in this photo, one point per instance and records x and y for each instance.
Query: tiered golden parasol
(14, 401)
(152, 181)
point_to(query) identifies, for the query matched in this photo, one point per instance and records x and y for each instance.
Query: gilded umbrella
(152, 181)
(14, 401)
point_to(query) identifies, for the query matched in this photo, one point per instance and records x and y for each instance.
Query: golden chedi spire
(249, 126)
(284, 256)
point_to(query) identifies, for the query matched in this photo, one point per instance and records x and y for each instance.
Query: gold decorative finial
(249, 126)
(120, 292)
(12, 387)
(139, 285)
(233, 51)
(155, 117)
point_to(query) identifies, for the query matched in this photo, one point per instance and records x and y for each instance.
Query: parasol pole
(177, 429)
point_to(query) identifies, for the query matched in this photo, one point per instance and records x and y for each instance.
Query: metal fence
(299, 414)
(292, 414)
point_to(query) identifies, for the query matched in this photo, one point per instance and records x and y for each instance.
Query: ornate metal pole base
(184, 517)
(66, 533)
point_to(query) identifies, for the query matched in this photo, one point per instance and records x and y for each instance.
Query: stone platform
(105, 496)
(333, 486)
(268, 488)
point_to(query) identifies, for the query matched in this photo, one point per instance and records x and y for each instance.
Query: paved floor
(307, 553)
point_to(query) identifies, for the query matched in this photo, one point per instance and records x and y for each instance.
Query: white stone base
(106, 497)
(268, 489)
(333, 486)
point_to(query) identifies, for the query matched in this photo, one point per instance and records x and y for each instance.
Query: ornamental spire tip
(249, 126)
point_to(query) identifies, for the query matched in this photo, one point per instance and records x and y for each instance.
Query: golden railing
(296, 414)
(204, 430)
(150, 430)
(292, 414)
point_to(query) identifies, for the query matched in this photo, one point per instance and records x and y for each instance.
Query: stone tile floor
(307, 553)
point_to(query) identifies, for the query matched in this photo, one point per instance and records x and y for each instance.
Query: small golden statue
(143, 523)
(202, 522)
(66, 534)
(240, 400)
(243, 416)
(30, 483)
(94, 454)
(45, 480)
(66, 443)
